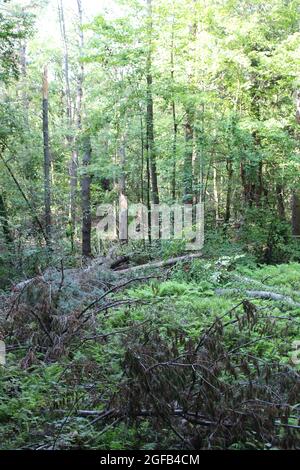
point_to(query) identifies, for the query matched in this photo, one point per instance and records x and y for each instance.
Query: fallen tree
(256, 294)
(162, 264)
(51, 308)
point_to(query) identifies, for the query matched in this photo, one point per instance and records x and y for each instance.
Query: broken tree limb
(107, 265)
(162, 264)
(256, 294)
(114, 289)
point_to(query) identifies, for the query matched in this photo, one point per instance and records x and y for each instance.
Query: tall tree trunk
(62, 23)
(4, 220)
(47, 158)
(189, 133)
(248, 185)
(142, 161)
(23, 67)
(73, 163)
(296, 214)
(80, 77)
(229, 190)
(216, 193)
(174, 173)
(148, 190)
(175, 126)
(260, 185)
(86, 199)
(123, 206)
(122, 160)
(150, 112)
(188, 160)
(87, 150)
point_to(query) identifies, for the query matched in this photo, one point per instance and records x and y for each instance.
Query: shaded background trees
(174, 101)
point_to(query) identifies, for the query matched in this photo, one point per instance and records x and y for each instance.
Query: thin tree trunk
(62, 23)
(216, 194)
(4, 220)
(175, 126)
(80, 78)
(296, 214)
(188, 160)
(189, 136)
(201, 193)
(24, 80)
(148, 190)
(87, 151)
(73, 166)
(122, 159)
(47, 158)
(73, 163)
(86, 199)
(150, 112)
(142, 161)
(229, 190)
(123, 207)
(174, 151)
(248, 187)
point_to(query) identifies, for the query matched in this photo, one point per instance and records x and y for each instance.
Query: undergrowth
(180, 367)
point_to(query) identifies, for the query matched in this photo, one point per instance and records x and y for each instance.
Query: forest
(118, 332)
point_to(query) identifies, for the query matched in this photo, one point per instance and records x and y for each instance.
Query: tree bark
(216, 193)
(296, 214)
(229, 190)
(47, 158)
(189, 135)
(73, 163)
(148, 189)
(142, 160)
(80, 78)
(255, 294)
(87, 151)
(150, 112)
(175, 126)
(86, 199)
(62, 23)
(162, 264)
(188, 160)
(23, 68)
(123, 206)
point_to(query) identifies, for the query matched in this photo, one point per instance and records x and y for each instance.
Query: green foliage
(222, 77)
(268, 238)
(14, 26)
(176, 314)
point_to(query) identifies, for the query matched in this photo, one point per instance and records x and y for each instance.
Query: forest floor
(197, 355)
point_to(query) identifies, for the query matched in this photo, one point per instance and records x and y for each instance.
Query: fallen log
(161, 264)
(256, 294)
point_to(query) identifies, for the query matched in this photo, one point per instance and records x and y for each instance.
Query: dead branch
(114, 289)
(162, 264)
(256, 294)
